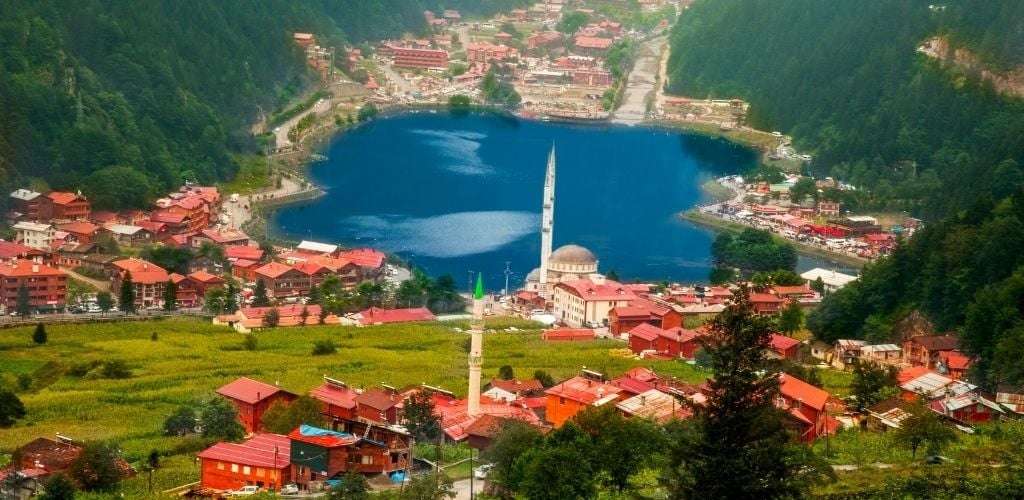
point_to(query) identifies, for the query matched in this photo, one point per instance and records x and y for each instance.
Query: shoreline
(721, 225)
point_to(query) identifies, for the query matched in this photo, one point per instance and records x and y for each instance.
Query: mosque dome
(572, 254)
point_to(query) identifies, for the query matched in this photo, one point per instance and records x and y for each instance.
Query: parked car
(245, 491)
(290, 489)
(481, 472)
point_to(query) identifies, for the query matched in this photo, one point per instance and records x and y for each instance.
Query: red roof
(378, 399)
(205, 277)
(583, 390)
(591, 42)
(515, 386)
(223, 236)
(27, 268)
(588, 290)
(568, 334)
(642, 374)
(332, 394)
(798, 390)
(645, 331)
(244, 263)
(262, 450)
(273, 269)
(911, 373)
(62, 198)
(764, 298)
(287, 311)
(243, 252)
(248, 390)
(80, 227)
(10, 249)
(151, 226)
(322, 437)
(632, 385)
(167, 217)
(793, 290)
(377, 316)
(630, 312)
(103, 216)
(955, 360)
(783, 343)
(309, 268)
(935, 342)
(365, 257)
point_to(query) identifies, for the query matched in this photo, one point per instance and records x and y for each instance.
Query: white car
(290, 489)
(481, 472)
(245, 491)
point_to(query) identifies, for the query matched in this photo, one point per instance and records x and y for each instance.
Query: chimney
(643, 400)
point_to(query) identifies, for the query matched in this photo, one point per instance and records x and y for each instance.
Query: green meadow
(190, 359)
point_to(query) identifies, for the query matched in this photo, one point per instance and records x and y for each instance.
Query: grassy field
(190, 359)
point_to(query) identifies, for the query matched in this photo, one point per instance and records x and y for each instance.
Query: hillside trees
(753, 250)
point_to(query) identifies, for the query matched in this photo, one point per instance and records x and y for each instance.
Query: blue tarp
(309, 430)
(397, 477)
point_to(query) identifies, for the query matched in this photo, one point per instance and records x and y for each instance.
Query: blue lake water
(455, 194)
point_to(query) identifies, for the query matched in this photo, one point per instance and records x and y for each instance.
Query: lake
(461, 193)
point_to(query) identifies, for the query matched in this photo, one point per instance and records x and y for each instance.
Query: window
(234, 467)
(302, 471)
(246, 470)
(561, 401)
(367, 459)
(220, 465)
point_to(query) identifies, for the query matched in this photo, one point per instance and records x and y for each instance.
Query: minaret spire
(476, 347)
(547, 224)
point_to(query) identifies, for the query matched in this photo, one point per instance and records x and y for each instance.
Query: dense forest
(109, 96)
(845, 80)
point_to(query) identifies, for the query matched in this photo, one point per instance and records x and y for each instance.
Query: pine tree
(170, 296)
(271, 318)
(231, 299)
(23, 307)
(303, 316)
(39, 336)
(260, 298)
(737, 445)
(127, 293)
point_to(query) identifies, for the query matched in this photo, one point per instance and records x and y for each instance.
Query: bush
(324, 347)
(250, 343)
(39, 336)
(116, 369)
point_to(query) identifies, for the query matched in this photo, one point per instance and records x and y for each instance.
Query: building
(252, 398)
(34, 234)
(644, 310)
(220, 237)
(47, 286)
(82, 231)
(882, 353)
(649, 340)
(588, 301)
(592, 77)
(921, 350)
(129, 236)
(202, 282)
(950, 363)
(69, 206)
(10, 250)
(483, 431)
(805, 405)
(46, 457)
(592, 46)
(511, 390)
(566, 399)
(420, 58)
(30, 205)
(378, 316)
(379, 405)
(568, 334)
(149, 280)
(784, 347)
(654, 405)
(969, 408)
(766, 304)
(262, 460)
(833, 281)
(484, 52)
(318, 455)
(339, 399)
(283, 281)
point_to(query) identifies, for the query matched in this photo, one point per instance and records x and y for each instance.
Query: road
(641, 82)
(281, 132)
(404, 86)
(103, 286)
(241, 211)
(462, 488)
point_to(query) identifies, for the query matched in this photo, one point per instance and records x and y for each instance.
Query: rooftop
(248, 390)
(584, 390)
(378, 316)
(262, 450)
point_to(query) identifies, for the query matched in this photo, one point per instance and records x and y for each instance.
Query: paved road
(403, 85)
(281, 132)
(641, 82)
(462, 488)
(241, 211)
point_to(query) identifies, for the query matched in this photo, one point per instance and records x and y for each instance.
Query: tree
(459, 102)
(322, 316)
(23, 307)
(922, 426)
(420, 418)
(544, 378)
(571, 22)
(367, 112)
(171, 258)
(58, 487)
(104, 301)
(127, 293)
(215, 299)
(818, 285)
(737, 445)
(612, 275)
(281, 418)
(250, 342)
(621, 446)
(557, 468)
(170, 296)
(39, 336)
(802, 189)
(324, 347)
(271, 318)
(352, 486)
(230, 298)
(181, 422)
(152, 464)
(95, 468)
(219, 420)
(870, 382)
(791, 319)
(505, 372)
(259, 295)
(11, 408)
(303, 316)
(513, 439)
(430, 486)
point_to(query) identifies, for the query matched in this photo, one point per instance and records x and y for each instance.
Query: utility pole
(507, 273)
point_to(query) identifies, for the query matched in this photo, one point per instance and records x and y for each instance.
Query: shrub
(39, 336)
(116, 369)
(250, 343)
(324, 347)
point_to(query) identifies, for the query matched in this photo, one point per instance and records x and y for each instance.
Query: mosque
(567, 263)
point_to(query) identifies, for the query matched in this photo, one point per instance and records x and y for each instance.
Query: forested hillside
(845, 79)
(133, 97)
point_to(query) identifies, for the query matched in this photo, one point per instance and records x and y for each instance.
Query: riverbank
(721, 225)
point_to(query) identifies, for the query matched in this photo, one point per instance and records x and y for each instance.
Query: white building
(833, 281)
(587, 301)
(34, 235)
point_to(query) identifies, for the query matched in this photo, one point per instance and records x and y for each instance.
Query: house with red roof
(45, 457)
(47, 286)
(223, 237)
(643, 310)
(784, 347)
(805, 405)
(654, 405)
(248, 319)
(252, 398)
(263, 460)
(952, 364)
(149, 280)
(646, 339)
(11, 250)
(568, 334)
(372, 261)
(378, 316)
(379, 405)
(320, 454)
(338, 398)
(592, 45)
(202, 282)
(511, 390)
(243, 252)
(245, 269)
(313, 271)
(566, 399)
(69, 206)
(586, 302)
(921, 350)
(82, 231)
(968, 408)
(766, 304)
(283, 281)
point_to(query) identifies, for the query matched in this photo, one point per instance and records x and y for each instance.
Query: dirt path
(641, 82)
(103, 286)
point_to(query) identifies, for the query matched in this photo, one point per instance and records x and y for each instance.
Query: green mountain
(936, 135)
(129, 98)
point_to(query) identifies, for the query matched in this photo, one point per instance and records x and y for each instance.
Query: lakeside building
(47, 286)
(833, 280)
(415, 58)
